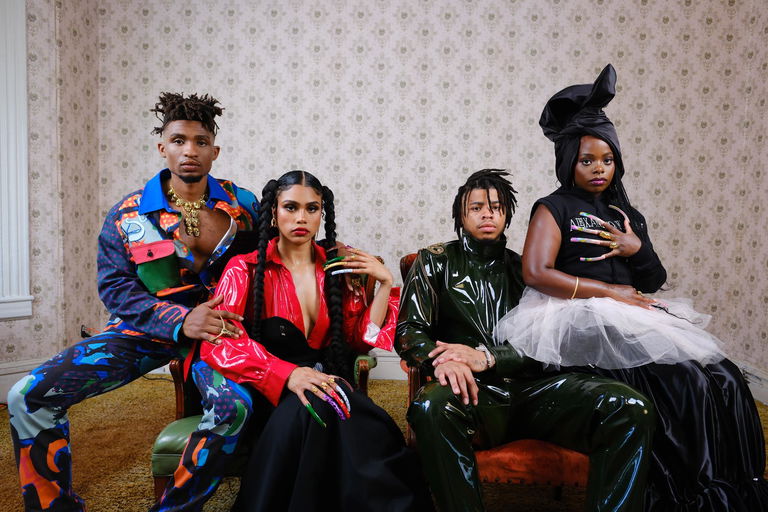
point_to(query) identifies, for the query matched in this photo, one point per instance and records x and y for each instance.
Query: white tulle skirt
(606, 333)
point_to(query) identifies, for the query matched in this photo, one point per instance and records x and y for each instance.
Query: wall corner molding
(15, 297)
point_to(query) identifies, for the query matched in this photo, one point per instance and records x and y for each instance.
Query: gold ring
(314, 389)
(639, 292)
(330, 379)
(613, 245)
(606, 235)
(324, 385)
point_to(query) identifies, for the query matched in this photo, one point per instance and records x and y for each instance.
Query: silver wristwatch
(488, 360)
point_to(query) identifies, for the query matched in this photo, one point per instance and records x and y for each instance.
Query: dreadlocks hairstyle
(338, 356)
(486, 179)
(175, 107)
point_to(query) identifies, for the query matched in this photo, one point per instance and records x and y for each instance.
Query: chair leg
(161, 482)
(362, 376)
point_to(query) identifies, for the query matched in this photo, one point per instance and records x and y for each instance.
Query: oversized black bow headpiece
(576, 111)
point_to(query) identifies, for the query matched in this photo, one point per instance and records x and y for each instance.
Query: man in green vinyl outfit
(486, 394)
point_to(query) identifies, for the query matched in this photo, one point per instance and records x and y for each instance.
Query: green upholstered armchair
(525, 461)
(170, 443)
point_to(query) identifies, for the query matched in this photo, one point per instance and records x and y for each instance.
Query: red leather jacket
(246, 361)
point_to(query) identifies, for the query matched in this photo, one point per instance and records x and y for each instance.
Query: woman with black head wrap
(588, 261)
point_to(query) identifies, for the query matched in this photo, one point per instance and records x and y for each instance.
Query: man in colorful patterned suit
(160, 253)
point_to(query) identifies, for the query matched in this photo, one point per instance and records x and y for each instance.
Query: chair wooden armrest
(406, 262)
(187, 396)
(414, 384)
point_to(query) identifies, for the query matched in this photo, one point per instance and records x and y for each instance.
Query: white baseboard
(163, 370)
(11, 372)
(757, 380)
(388, 366)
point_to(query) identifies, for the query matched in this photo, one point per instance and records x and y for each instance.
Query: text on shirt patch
(586, 222)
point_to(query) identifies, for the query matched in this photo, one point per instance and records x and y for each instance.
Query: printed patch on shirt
(170, 222)
(182, 251)
(139, 228)
(586, 222)
(436, 248)
(133, 228)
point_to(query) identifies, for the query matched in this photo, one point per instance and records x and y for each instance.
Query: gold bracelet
(575, 288)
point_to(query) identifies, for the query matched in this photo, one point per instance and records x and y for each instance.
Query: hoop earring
(273, 223)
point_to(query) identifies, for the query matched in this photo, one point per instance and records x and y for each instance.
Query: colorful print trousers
(38, 406)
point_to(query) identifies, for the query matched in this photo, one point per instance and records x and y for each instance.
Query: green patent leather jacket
(456, 292)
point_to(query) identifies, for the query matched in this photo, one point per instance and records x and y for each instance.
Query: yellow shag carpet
(112, 436)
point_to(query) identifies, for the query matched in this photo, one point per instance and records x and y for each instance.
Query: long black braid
(175, 107)
(265, 232)
(485, 179)
(338, 356)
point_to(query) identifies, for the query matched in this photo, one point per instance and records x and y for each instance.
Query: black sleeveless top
(642, 270)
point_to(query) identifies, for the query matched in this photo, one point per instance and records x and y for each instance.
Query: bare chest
(305, 282)
(213, 226)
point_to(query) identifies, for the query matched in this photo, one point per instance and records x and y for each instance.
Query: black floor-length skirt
(297, 465)
(708, 451)
(358, 464)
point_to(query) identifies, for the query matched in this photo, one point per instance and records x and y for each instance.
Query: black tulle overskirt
(708, 451)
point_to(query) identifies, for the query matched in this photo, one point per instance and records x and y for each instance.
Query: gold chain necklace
(191, 210)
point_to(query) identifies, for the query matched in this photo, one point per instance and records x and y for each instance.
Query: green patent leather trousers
(605, 419)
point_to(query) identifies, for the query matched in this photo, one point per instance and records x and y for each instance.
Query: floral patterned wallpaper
(393, 104)
(78, 159)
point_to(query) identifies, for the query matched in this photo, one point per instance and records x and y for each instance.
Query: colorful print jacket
(144, 217)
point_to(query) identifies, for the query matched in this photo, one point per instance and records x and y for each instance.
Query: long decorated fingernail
(590, 216)
(587, 240)
(334, 260)
(344, 397)
(619, 210)
(314, 415)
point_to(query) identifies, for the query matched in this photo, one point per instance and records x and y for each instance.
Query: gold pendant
(191, 210)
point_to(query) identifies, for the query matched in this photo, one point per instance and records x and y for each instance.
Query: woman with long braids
(323, 445)
(588, 262)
